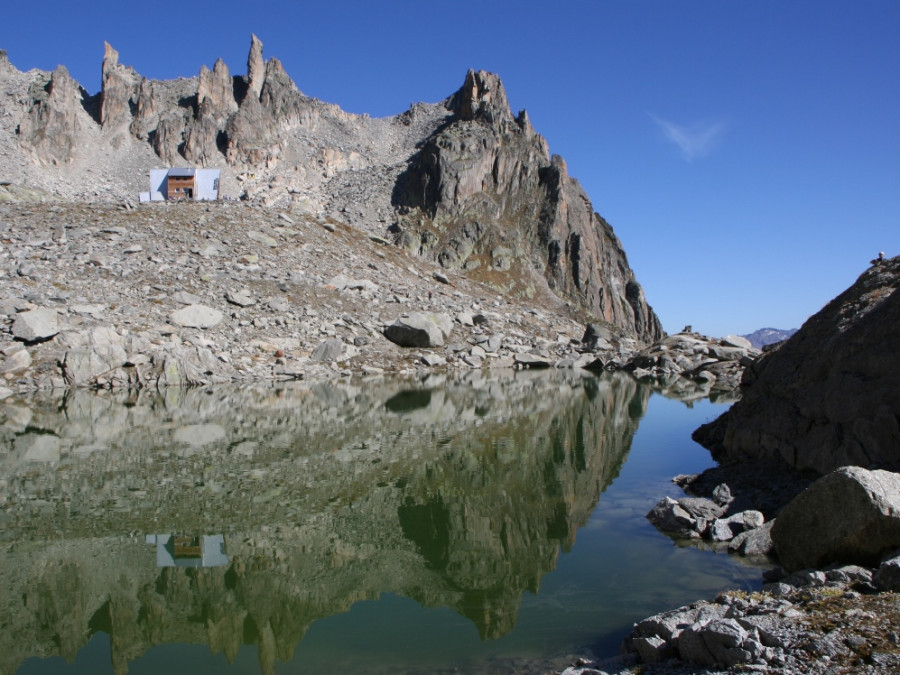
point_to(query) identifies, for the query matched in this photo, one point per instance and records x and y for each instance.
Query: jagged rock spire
(482, 93)
(256, 67)
(216, 85)
(119, 86)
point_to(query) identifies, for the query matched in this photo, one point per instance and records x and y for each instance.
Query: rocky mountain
(768, 336)
(462, 182)
(828, 397)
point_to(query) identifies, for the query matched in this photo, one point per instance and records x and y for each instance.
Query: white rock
(16, 363)
(736, 341)
(241, 298)
(37, 324)
(261, 238)
(196, 316)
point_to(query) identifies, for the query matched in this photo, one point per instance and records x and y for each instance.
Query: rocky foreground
(803, 480)
(109, 296)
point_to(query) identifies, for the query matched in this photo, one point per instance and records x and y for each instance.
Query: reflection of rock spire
(464, 515)
(491, 520)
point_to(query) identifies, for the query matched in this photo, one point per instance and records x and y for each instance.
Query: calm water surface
(476, 523)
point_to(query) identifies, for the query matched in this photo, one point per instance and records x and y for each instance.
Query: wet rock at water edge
(527, 360)
(16, 363)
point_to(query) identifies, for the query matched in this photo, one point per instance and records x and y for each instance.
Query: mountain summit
(463, 182)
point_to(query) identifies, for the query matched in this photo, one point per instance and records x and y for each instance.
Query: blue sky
(747, 153)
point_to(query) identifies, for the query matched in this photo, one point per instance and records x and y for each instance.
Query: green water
(444, 524)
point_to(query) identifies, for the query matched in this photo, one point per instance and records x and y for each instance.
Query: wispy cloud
(696, 140)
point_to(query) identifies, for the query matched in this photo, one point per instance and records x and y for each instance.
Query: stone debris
(691, 359)
(787, 627)
(165, 306)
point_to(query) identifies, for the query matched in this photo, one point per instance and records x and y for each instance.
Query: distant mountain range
(767, 336)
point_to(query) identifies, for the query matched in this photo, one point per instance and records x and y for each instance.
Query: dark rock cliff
(829, 396)
(484, 193)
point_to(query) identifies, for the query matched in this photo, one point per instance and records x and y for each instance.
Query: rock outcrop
(828, 397)
(484, 195)
(120, 90)
(849, 516)
(49, 132)
(695, 362)
(789, 627)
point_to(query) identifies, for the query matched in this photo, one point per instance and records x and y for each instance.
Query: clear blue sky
(747, 153)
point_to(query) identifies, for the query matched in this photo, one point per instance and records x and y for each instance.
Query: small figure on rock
(879, 259)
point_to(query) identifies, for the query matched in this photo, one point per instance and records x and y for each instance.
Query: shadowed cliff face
(456, 494)
(828, 397)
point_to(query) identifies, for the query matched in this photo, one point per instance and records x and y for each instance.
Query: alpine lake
(465, 522)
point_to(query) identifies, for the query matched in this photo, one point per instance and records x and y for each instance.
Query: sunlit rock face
(49, 131)
(454, 493)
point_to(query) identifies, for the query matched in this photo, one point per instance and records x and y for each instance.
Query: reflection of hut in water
(181, 550)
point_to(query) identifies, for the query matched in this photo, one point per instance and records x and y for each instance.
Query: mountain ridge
(768, 336)
(462, 182)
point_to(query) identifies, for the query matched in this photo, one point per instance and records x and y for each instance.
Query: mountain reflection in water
(454, 491)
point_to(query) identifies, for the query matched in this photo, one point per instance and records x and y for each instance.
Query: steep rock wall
(828, 397)
(484, 192)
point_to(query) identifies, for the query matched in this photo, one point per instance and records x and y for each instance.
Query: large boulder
(196, 316)
(828, 397)
(420, 329)
(851, 516)
(35, 325)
